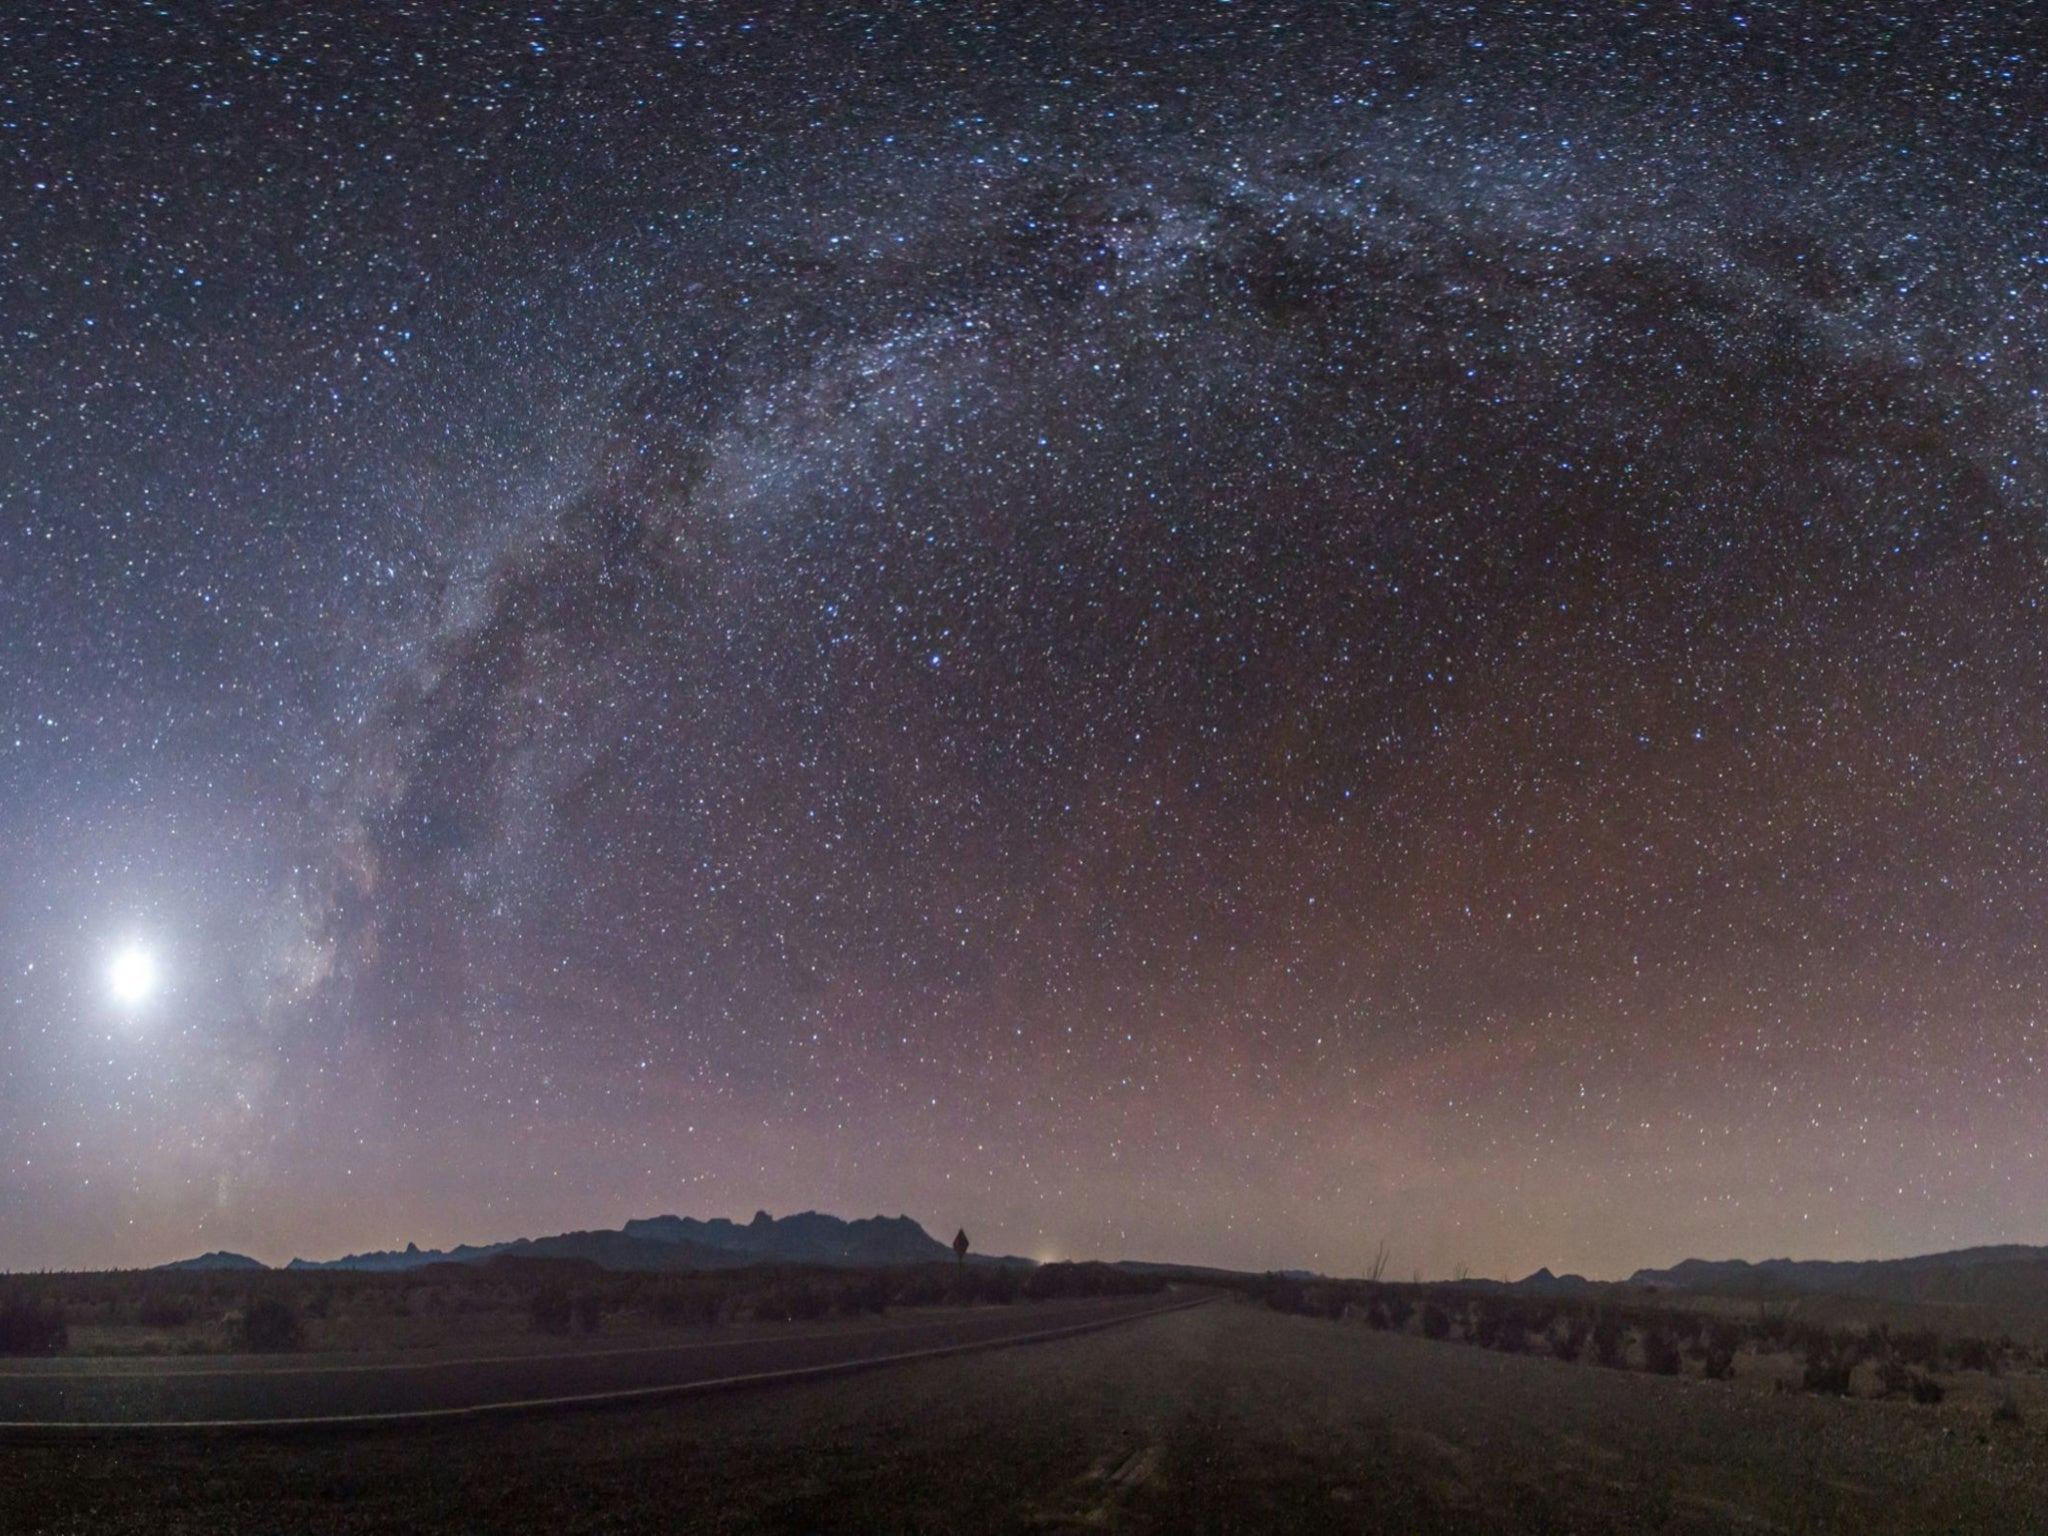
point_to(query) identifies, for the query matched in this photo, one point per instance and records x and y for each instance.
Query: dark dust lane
(250, 1391)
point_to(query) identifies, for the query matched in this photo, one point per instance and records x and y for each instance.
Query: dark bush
(589, 1310)
(1436, 1322)
(1828, 1369)
(1572, 1343)
(1717, 1353)
(269, 1325)
(1511, 1332)
(1973, 1354)
(1921, 1347)
(550, 1310)
(1399, 1309)
(1926, 1389)
(160, 1310)
(1283, 1295)
(1610, 1340)
(874, 1293)
(2007, 1411)
(698, 1306)
(1327, 1301)
(32, 1327)
(1001, 1285)
(1661, 1353)
(808, 1303)
(1486, 1327)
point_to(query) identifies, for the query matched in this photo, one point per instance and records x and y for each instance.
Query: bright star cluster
(1212, 632)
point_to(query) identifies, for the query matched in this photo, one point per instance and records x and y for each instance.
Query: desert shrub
(874, 1293)
(1436, 1322)
(1283, 1295)
(550, 1310)
(1511, 1332)
(1973, 1354)
(1400, 1308)
(1000, 1285)
(32, 1327)
(1926, 1389)
(1828, 1367)
(966, 1288)
(1717, 1351)
(159, 1309)
(589, 1310)
(1570, 1344)
(1661, 1353)
(1326, 1301)
(696, 1305)
(321, 1302)
(269, 1324)
(2008, 1411)
(808, 1303)
(1610, 1340)
(1894, 1376)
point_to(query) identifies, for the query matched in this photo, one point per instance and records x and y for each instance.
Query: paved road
(243, 1391)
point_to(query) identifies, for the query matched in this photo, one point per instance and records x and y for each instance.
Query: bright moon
(132, 976)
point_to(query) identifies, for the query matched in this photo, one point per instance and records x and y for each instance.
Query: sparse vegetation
(1610, 1340)
(268, 1324)
(1661, 1355)
(551, 1310)
(31, 1326)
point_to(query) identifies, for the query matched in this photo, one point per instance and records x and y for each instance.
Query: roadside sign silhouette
(960, 1245)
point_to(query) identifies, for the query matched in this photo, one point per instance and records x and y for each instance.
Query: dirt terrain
(1225, 1418)
(236, 1391)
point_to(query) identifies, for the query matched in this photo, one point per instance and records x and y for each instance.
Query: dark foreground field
(1227, 1417)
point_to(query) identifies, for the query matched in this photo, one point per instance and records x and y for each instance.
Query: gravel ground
(1226, 1418)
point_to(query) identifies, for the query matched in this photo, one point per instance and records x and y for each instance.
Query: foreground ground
(1224, 1418)
(238, 1389)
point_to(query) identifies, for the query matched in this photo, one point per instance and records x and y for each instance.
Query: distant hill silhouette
(1544, 1283)
(810, 1237)
(685, 1243)
(2010, 1274)
(220, 1259)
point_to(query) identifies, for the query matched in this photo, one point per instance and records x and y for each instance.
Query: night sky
(1206, 632)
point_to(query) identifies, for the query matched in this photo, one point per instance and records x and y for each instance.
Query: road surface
(252, 1391)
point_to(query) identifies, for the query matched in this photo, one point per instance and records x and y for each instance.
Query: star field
(1215, 632)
